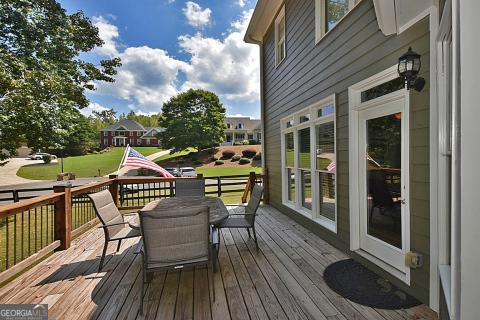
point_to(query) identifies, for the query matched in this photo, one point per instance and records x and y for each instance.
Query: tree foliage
(42, 79)
(144, 120)
(195, 118)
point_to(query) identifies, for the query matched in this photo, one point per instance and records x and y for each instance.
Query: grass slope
(82, 166)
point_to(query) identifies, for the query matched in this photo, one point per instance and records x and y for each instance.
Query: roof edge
(263, 15)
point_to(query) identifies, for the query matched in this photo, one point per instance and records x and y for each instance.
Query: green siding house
(353, 153)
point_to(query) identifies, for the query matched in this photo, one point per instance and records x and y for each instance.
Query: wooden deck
(281, 281)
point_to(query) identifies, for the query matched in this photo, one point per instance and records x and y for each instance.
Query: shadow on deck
(283, 280)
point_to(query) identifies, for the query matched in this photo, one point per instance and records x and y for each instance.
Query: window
(328, 13)
(250, 136)
(280, 48)
(240, 126)
(229, 126)
(309, 162)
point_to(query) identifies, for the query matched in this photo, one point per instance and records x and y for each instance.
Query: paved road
(8, 172)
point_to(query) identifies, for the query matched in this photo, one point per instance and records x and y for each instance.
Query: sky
(169, 46)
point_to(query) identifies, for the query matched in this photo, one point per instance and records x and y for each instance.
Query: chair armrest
(130, 214)
(139, 248)
(113, 224)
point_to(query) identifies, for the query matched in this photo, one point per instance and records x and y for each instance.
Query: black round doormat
(353, 281)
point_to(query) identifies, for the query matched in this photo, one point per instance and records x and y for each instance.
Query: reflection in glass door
(384, 167)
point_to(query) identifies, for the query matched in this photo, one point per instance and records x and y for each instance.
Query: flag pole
(123, 158)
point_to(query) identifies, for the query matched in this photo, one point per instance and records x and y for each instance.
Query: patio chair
(114, 226)
(246, 220)
(190, 187)
(174, 240)
(382, 198)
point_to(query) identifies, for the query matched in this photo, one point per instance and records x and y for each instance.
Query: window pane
(291, 184)
(305, 118)
(304, 148)
(382, 89)
(289, 150)
(325, 148)
(306, 177)
(325, 111)
(326, 182)
(336, 9)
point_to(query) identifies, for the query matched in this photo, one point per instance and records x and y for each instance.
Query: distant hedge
(249, 153)
(244, 161)
(219, 162)
(236, 157)
(257, 157)
(227, 154)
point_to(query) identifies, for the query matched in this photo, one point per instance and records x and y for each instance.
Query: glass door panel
(384, 168)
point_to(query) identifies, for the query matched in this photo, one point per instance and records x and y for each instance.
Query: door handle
(402, 201)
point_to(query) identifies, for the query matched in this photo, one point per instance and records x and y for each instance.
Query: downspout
(262, 106)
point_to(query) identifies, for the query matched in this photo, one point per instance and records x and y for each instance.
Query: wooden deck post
(63, 216)
(266, 191)
(114, 188)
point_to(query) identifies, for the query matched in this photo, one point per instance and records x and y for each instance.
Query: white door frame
(355, 106)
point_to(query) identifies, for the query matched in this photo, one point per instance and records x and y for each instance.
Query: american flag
(331, 166)
(135, 159)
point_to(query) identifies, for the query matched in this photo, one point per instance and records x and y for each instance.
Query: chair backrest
(175, 236)
(255, 198)
(378, 188)
(190, 187)
(106, 211)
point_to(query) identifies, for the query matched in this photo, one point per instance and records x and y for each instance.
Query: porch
(283, 280)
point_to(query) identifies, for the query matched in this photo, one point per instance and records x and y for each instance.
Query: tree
(195, 118)
(42, 78)
(144, 120)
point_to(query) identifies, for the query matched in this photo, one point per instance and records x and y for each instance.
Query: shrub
(219, 162)
(227, 154)
(251, 142)
(211, 151)
(249, 153)
(47, 158)
(257, 157)
(213, 159)
(244, 161)
(197, 162)
(237, 143)
(193, 155)
(236, 157)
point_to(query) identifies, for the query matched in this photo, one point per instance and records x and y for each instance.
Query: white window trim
(355, 105)
(320, 18)
(280, 16)
(313, 214)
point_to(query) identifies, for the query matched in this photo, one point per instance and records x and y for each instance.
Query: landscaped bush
(47, 158)
(241, 143)
(257, 157)
(244, 161)
(211, 151)
(219, 162)
(213, 159)
(197, 162)
(227, 154)
(249, 153)
(236, 157)
(252, 142)
(193, 154)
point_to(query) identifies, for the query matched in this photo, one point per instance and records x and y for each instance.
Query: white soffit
(396, 16)
(262, 17)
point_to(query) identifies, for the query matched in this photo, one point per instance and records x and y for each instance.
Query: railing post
(63, 216)
(266, 193)
(200, 175)
(114, 188)
(219, 186)
(253, 179)
(15, 195)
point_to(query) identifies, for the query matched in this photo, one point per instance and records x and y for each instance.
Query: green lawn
(176, 154)
(227, 171)
(82, 166)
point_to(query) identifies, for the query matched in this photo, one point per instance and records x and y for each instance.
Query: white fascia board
(263, 15)
(386, 17)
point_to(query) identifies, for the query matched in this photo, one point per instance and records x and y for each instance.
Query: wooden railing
(31, 228)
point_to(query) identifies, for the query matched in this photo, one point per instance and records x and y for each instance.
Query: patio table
(218, 211)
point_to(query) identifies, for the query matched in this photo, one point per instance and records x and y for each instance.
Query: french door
(383, 181)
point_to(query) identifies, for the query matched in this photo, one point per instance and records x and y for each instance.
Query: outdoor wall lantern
(409, 65)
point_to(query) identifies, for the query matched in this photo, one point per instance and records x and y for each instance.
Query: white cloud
(239, 115)
(228, 67)
(93, 106)
(109, 34)
(241, 3)
(150, 76)
(196, 16)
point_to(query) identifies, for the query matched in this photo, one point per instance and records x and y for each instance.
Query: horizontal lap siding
(353, 51)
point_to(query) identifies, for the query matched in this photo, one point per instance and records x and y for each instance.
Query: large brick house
(129, 132)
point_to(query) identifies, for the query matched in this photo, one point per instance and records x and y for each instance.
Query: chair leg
(248, 230)
(213, 281)
(255, 236)
(141, 292)
(119, 244)
(216, 248)
(103, 255)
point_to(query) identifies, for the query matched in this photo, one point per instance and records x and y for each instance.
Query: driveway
(8, 172)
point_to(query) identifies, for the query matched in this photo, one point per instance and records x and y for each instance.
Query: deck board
(283, 280)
